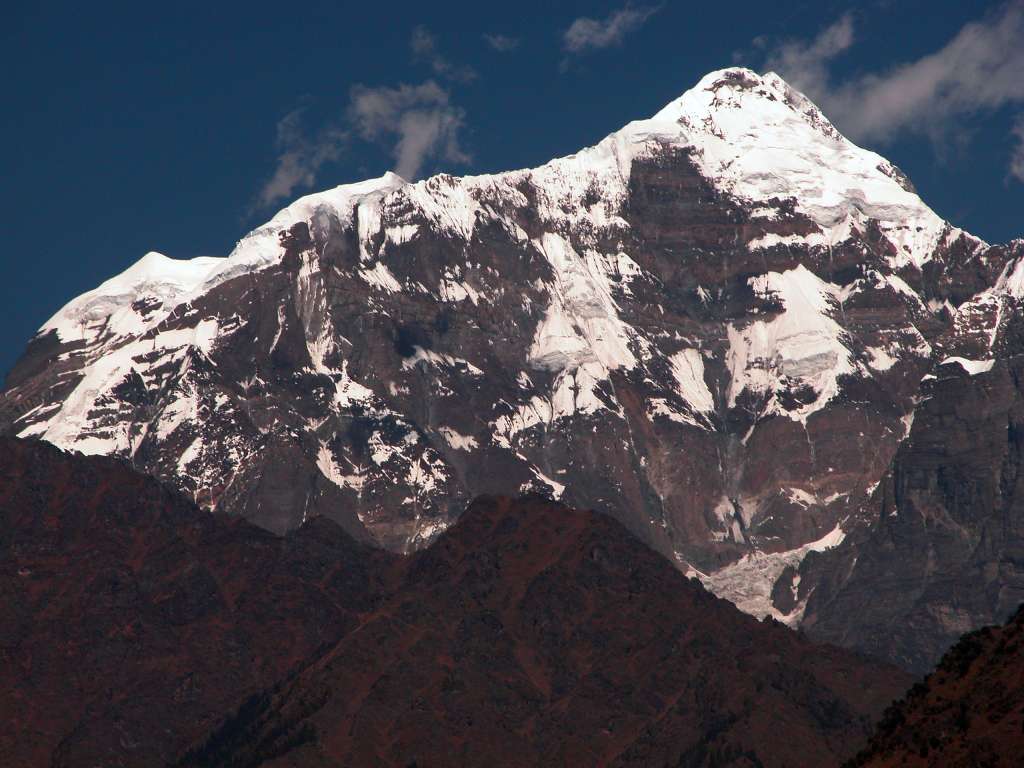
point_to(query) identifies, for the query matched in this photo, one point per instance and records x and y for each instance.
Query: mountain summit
(714, 325)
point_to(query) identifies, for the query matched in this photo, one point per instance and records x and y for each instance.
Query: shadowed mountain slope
(134, 624)
(969, 712)
(532, 634)
(131, 620)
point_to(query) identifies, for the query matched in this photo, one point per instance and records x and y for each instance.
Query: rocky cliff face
(713, 325)
(946, 541)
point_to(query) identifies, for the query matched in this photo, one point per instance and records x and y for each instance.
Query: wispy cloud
(502, 43)
(424, 48)
(1017, 158)
(418, 122)
(805, 64)
(299, 158)
(419, 125)
(586, 34)
(980, 70)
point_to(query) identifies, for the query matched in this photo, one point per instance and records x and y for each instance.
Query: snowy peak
(674, 326)
(144, 294)
(758, 139)
(130, 302)
(753, 138)
(261, 248)
(739, 88)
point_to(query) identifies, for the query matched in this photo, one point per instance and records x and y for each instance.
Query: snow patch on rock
(802, 347)
(748, 582)
(688, 371)
(458, 441)
(973, 367)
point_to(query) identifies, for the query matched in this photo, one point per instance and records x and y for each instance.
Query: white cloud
(424, 48)
(502, 43)
(586, 34)
(299, 158)
(418, 121)
(980, 70)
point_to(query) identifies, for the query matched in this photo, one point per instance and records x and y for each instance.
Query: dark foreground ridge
(969, 712)
(134, 624)
(532, 634)
(131, 621)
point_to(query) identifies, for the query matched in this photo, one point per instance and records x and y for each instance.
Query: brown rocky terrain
(969, 712)
(531, 634)
(131, 621)
(135, 626)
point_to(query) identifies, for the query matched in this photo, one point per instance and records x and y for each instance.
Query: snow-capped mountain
(713, 325)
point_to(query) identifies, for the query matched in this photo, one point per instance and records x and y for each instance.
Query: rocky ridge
(133, 621)
(530, 634)
(969, 711)
(137, 626)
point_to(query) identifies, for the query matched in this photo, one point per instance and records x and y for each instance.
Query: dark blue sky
(136, 127)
